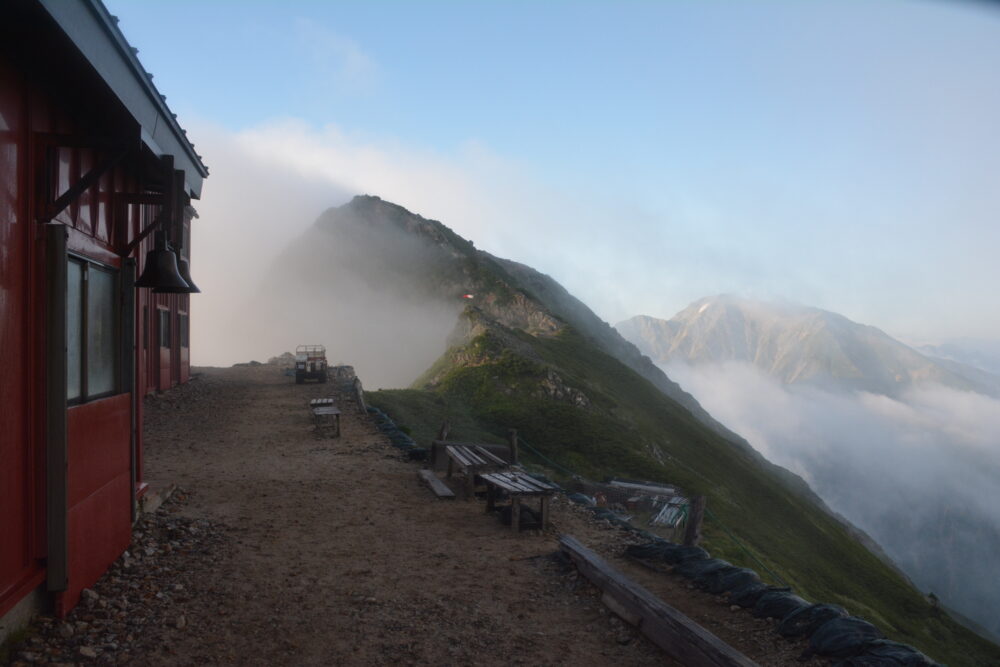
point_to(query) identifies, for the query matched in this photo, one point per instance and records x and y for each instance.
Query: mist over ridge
(893, 439)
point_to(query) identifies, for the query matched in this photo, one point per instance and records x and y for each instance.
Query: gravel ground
(287, 547)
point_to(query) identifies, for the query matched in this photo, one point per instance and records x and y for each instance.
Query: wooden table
(472, 460)
(325, 414)
(518, 485)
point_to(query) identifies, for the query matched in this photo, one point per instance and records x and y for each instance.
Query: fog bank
(920, 473)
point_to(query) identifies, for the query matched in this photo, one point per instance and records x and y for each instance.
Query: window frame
(88, 264)
(183, 330)
(163, 319)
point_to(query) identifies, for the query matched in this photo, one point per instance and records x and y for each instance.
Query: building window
(164, 316)
(182, 329)
(93, 335)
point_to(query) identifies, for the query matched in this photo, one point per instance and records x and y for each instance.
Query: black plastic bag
(842, 638)
(805, 621)
(693, 569)
(748, 594)
(883, 652)
(778, 604)
(728, 579)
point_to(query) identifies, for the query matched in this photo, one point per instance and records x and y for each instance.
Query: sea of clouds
(920, 473)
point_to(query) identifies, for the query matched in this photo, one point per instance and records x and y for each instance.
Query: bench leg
(515, 513)
(491, 498)
(545, 512)
(470, 485)
(451, 466)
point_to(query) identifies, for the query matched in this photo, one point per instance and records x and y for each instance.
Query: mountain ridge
(524, 353)
(797, 344)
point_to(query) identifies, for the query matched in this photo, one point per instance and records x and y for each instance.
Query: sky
(843, 155)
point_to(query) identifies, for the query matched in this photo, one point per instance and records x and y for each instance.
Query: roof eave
(95, 33)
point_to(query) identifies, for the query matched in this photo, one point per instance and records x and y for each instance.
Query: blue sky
(841, 154)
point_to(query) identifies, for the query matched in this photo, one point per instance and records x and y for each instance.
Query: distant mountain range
(919, 476)
(800, 344)
(977, 353)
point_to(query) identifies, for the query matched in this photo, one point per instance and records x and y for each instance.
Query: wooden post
(442, 435)
(545, 512)
(512, 437)
(692, 532)
(491, 498)
(443, 431)
(359, 394)
(515, 513)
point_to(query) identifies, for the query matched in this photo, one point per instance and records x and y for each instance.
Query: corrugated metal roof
(95, 33)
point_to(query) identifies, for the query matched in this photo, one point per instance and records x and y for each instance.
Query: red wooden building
(91, 162)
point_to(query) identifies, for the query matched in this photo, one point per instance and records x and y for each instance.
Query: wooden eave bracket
(117, 152)
(171, 203)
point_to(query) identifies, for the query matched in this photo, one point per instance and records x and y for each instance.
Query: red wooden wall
(21, 475)
(98, 431)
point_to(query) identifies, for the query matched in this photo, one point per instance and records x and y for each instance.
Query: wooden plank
(488, 456)
(439, 488)
(456, 443)
(517, 484)
(536, 485)
(522, 487)
(474, 458)
(317, 402)
(626, 615)
(532, 484)
(503, 481)
(679, 636)
(460, 456)
(500, 482)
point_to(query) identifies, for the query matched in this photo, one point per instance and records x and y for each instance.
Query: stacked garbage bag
(398, 438)
(832, 632)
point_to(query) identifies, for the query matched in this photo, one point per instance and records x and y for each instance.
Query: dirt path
(340, 557)
(285, 548)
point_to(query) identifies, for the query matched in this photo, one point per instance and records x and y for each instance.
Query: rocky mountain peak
(793, 343)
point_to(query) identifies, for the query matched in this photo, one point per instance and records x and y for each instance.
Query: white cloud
(921, 473)
(337, 60)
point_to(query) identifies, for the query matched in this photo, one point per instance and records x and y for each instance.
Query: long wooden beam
(679, 636)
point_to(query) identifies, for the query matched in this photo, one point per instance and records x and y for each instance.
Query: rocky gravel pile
(138, 603)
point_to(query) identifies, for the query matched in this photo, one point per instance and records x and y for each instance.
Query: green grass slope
(594, 415)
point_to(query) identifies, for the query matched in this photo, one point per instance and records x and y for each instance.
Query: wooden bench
(472, 460)
(518, 485)
(439, 488)
(325, 415)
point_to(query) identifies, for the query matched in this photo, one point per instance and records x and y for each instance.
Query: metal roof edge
(67, 15)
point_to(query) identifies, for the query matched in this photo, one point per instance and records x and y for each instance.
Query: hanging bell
(160, 271)
(184, 269)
